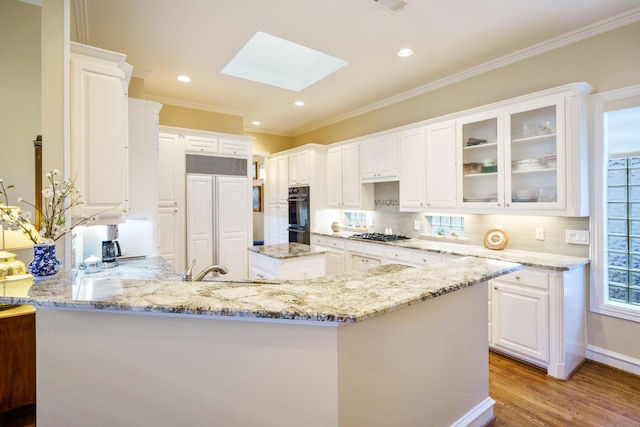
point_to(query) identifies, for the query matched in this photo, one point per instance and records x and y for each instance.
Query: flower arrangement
(58, 198)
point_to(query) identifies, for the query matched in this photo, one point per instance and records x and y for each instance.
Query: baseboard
(611, 358)
(479, 416)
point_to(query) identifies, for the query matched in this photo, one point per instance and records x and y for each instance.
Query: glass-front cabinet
(535, 156)
(527, 156)
(482, 150)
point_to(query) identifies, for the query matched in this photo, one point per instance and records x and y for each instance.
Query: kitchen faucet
(187, 276)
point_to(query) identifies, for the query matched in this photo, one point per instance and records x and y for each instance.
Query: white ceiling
(451, 38)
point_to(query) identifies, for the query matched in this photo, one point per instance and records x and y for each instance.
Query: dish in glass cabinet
(476, 199)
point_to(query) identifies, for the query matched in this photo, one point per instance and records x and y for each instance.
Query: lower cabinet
(539, 316)
(300, 268)
(520, 314)
(334, 259)
(361, 256)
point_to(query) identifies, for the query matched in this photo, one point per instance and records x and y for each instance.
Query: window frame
(599, 302)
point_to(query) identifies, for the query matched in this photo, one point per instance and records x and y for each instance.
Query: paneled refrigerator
(218, 208)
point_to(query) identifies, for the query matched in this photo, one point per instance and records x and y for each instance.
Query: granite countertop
(346, 298)
(530, 259)
(287, 250)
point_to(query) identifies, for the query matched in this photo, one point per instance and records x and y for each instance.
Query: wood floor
(596, 395)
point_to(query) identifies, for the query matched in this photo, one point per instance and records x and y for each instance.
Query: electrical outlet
(577, 237)
(370, 222)
(539, 233)
(416, 225)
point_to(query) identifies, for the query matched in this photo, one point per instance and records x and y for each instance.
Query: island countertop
(345, 298)
(287, 250)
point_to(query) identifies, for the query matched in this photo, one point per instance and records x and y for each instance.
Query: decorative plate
(496, 238)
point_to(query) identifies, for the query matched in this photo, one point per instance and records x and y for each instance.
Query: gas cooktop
(380, 237)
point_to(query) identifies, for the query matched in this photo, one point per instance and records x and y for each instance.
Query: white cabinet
(335, 258)
(344, 189)
(539, 315)
(201, 144)
(526, 156)
(277, 224)
(143, 158)
(278, 179)
(277, 188)
(217, 222)
(413, 171)
(520, 314)
(170, 238)
(99, 115)
(299, 268)
(380, 158)
(213, 144)
(441, 166)
(299, 168)
(361, 256)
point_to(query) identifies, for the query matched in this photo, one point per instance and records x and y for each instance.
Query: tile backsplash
(521, 229)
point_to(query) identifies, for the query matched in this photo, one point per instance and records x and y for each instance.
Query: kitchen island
(394, 345)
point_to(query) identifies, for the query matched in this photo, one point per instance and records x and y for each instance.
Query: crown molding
(194, 105)
(599, 27)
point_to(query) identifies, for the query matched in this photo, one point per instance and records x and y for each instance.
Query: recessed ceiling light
(256, 123)
(405, 52)
(299, 103)
(184, 79)
(277, 62)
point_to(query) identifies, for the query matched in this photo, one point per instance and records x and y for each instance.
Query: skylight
(277, 62)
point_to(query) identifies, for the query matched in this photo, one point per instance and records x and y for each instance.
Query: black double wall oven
(299, 223)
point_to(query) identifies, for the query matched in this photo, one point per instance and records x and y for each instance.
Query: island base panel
(422, 365)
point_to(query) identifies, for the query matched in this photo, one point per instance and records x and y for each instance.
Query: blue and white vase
(44, 261)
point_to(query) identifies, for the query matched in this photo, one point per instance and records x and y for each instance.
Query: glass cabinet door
(481, 151)
(535, 156)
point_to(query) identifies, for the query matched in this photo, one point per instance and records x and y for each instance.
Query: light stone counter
(287, 250)
(346, 298)
(148, 349)
(546, 261)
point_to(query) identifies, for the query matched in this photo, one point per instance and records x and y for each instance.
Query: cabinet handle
(495, 287)
(499, 204)
(517, 277)
(507, 204)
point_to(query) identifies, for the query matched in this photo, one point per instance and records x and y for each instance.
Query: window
(615, 218)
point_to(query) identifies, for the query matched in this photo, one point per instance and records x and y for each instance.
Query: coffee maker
(111, 248)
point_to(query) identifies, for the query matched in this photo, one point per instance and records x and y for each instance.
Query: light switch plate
(416, 225)
(577, 237)
(539, 233)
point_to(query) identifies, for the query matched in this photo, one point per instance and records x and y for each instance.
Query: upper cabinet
(299, 168)
(210, 144)
(428, 167)
(441, 165)
(379, 158)
(143, 156)
(526, 157)
(413, 173)
(344, 189)
(99, 129)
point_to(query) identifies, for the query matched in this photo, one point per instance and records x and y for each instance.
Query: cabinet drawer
(235, 148)
(534, 279)
(425, 258)
(395, 254)
(318, 240)
(335, 243)
(201, 144)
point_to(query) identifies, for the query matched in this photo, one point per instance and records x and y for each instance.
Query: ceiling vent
(394, 5)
